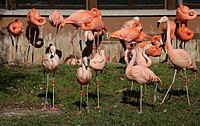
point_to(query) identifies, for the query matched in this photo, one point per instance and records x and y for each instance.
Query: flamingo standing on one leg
(50, 63)
(34, 20)
(184, 34)
(15, 29)
(142, 75)
(55, 19)
(83, 75)
(98, 63)
(179, 58)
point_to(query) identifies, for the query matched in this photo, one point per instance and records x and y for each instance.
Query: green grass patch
(22, 90)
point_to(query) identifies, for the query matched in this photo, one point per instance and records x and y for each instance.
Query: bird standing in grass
(50, 63)
(83, 75)
(141, 75)
(179, 58)
(98, 63)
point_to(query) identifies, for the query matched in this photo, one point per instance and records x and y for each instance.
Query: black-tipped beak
(158, 23)
(51, 56)
(161, 45)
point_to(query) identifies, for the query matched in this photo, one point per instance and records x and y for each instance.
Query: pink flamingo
(155, 49)
(73, 60)
(184, 34)
(15, 29)
(179, 58)
(50, 63)
(80, 18)
(98, 63)
(141, 75)
(128, 24)
(34, 20)
(83, 75)
(55, 19)
(184, 13)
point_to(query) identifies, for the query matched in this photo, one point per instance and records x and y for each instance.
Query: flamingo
(141, 75)
(179, 58)
(83, 75)
(173, 28)
(15, 29)
(34, 20)
(141, 57)
(80, 18)
(55, 19)
(98, 63)
(184, 13)
(184, 34)
(73, 60)
(155, 49)
(128, 34)
(128, 24)
(50, 63)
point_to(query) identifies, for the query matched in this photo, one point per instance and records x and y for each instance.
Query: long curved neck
(131, 63)
(168, 40)
(148, 60)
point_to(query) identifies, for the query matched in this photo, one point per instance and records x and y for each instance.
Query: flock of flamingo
(136, 50)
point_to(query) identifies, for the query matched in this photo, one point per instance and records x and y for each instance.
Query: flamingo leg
(53, 84)
(97, 86)
(87, 99)
(169, 87)
(73, 35)
(130, 93)
(45, 102)
(186, 86)
(155, 93)
(141, 94)
(34, 37)
(81, 98)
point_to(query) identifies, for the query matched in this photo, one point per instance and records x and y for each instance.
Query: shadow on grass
(128, 95)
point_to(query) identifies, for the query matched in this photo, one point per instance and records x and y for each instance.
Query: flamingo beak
(158, 24)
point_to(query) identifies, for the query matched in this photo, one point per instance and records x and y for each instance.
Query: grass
(22, 91)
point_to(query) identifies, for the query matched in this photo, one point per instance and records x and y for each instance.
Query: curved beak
(158, 24)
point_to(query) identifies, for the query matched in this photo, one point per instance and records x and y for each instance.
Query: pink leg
(97, 86)
(169, 87)
(81, 99)
(53, 108)
(45, 102)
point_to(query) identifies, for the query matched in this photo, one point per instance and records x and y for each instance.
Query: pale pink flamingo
(98, 63)
(179, 58)
(83, 75)
(73, 60)
(50, 63)
(141, 75)
(55, 19)
(128, 24)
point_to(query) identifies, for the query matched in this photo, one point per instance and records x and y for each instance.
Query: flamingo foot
(80, 113)
(161, 103)
(54, 109)
(140, 112)
(98, 108)
(44, 109)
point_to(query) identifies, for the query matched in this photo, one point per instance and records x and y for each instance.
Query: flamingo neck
(168, 40)
(132, 62)
(148, 60)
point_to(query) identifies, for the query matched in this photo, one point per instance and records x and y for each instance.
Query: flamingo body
(15, 28)
(34, 18)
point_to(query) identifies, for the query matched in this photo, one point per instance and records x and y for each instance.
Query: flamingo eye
(191, 14)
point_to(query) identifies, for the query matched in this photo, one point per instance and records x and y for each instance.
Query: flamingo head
(96, 12)
(137, 24)
(52, 50)
(162, 19)
(159, 38)
(85, 62)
